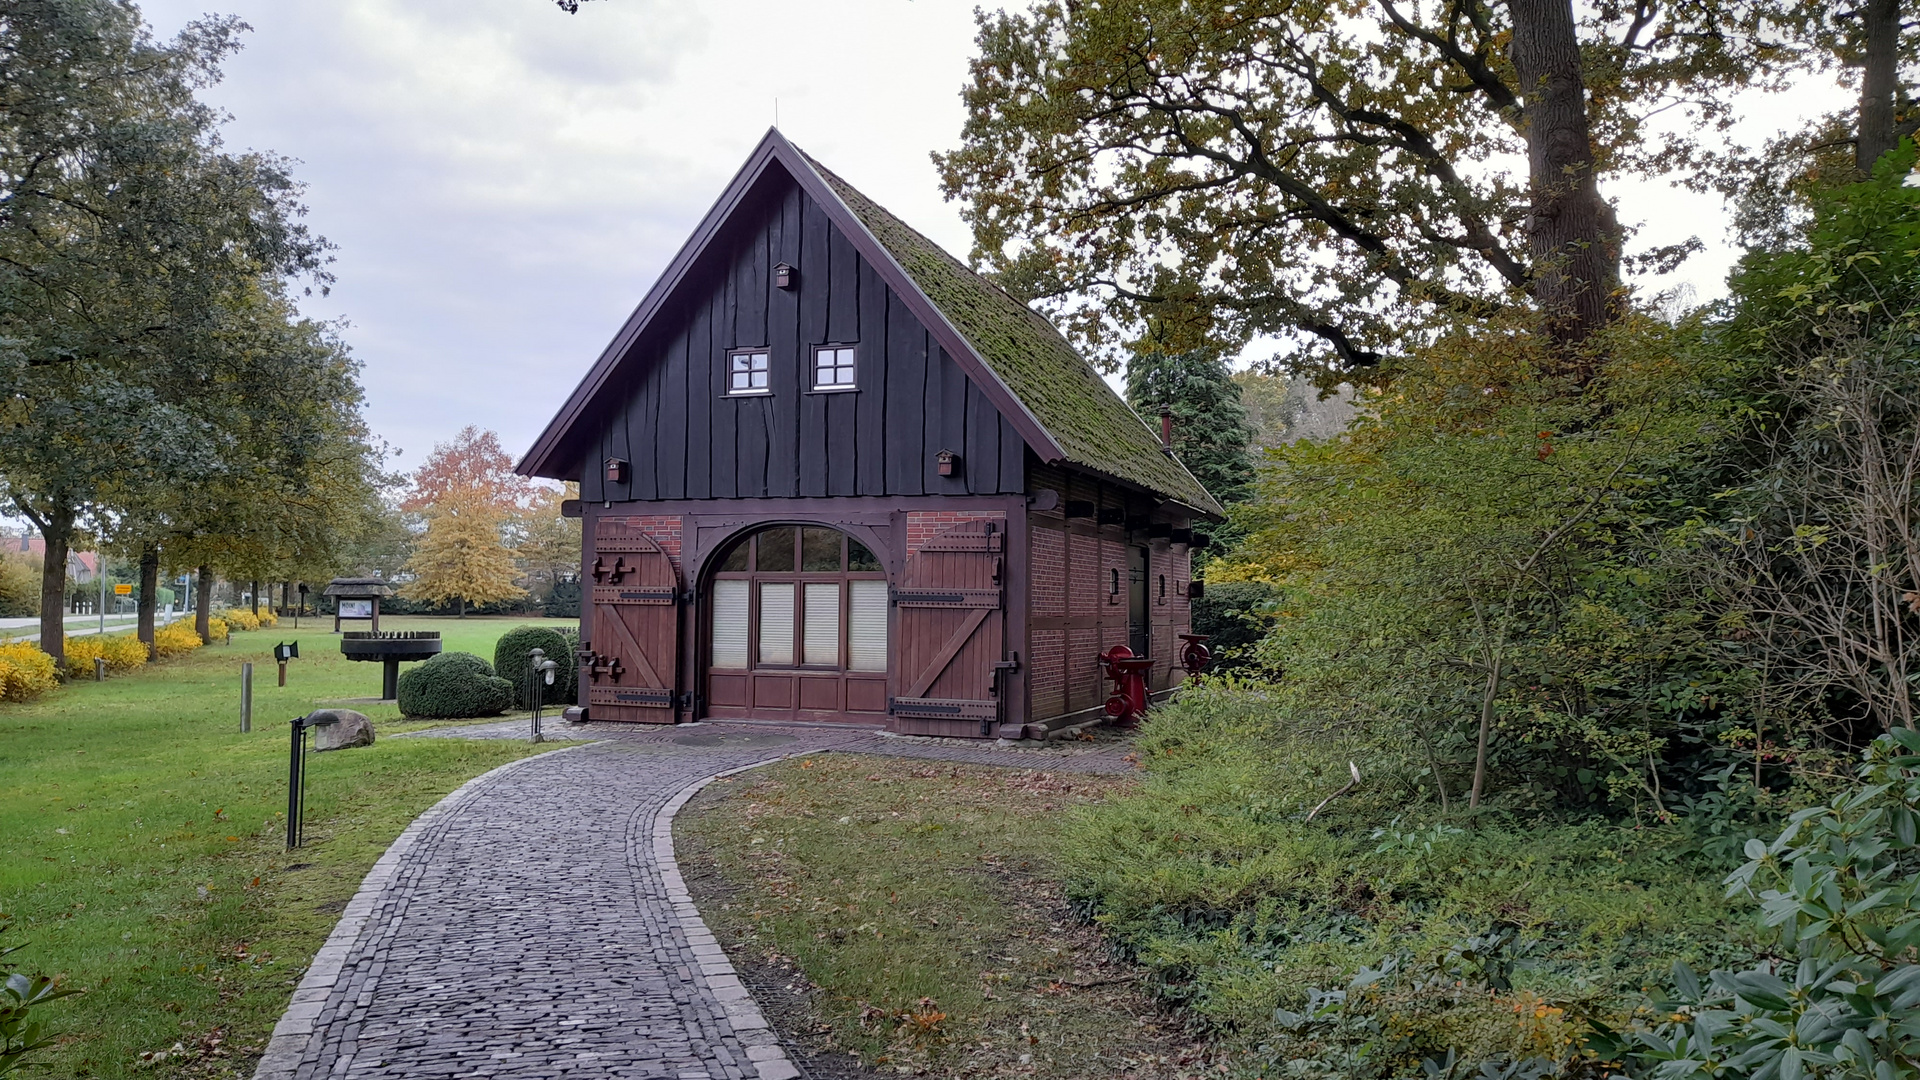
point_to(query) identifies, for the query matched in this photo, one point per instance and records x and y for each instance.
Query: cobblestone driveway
(533, 924)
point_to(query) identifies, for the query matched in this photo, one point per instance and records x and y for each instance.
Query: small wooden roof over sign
(358, 588)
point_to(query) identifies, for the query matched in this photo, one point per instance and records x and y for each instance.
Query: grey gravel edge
(770, 1060)
(296, 1027)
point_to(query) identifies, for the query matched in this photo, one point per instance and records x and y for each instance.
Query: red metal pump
(1128, 702)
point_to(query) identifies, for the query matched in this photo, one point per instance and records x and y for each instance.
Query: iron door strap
(640, 696)
(947, 598)
(983, 542)
(944, 708)
(663, 595)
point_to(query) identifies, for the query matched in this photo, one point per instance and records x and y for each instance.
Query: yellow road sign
(123, 590)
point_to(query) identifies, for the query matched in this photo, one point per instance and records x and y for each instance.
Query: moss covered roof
(1064, 393)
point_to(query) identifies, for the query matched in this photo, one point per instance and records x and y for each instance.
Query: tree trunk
(203, 604)
(463, 607)
(286, 596)
(57, 530)
(1486, 729)
(149, 596)
(1572, 235)
(256, 597)
(1877, 83)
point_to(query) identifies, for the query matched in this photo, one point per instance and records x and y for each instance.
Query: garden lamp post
(539, 676)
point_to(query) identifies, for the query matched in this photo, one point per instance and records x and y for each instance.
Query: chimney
(1166, 430)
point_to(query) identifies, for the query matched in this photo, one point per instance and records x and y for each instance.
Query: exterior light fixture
(947, 463)
(616, 470)
(784, 276)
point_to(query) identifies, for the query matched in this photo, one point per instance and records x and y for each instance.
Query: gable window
(833, 367)
(747, 371)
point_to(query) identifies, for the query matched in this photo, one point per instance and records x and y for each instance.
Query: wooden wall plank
(783, 321)
(1013, 459)
(906, 401)
(726, 411)
(814, 272)
(843, 289)
(870, 403)
(700, 392)
(946, 421)
(670, 432)
(982, 472)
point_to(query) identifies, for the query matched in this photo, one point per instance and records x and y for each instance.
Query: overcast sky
(504, 181)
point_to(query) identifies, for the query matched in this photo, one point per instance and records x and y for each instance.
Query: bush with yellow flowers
(176, 638)
(268, 618)
(122, 652)
(241, 619)
(25, 672)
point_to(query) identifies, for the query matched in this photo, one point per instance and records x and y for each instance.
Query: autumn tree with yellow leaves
(468, 492)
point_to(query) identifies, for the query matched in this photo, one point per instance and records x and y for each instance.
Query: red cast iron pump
(1194, 655)
(1128, 702)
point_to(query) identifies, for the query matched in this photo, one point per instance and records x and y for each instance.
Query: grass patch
(142, 844)
(916, 906)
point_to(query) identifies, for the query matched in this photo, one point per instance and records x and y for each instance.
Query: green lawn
(142, 846)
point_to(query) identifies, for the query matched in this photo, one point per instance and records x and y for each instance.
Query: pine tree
(1210, 429)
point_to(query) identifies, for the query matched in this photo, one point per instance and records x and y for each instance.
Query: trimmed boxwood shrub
(510, 661)
(453, 685)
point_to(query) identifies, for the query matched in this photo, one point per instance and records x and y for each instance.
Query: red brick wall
(665, 531)
(924, 525)
(1048, 572)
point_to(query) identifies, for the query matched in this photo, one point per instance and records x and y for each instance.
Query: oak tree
(1347, 174)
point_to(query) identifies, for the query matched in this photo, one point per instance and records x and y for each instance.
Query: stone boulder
(353, 729)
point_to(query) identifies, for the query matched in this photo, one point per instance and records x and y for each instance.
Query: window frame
(834, 388)
(727, 389)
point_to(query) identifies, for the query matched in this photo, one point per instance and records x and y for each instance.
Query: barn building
(828, 473)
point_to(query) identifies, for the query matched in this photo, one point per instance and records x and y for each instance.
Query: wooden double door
(797, 627)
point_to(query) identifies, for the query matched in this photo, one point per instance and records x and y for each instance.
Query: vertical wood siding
(685, 439)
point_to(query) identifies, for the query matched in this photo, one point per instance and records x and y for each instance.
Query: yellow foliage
(121, 651)
(217, 629)
(25, 672)
(267, 618)
(176, 638)
(461, 557)
(242, 619)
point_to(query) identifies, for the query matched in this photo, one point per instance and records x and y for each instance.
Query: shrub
(510, 660)
(19, 587)
(266, 618)
(25, 672)
(453, 685)
(122, 652)
(1234, 615)
(176, 638)
(242, 619)
(217, 629)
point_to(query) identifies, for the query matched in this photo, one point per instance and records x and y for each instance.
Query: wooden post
(376, 614)
(283, 673)
(99, 669)
(246, 697)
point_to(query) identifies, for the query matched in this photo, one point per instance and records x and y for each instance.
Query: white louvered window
(776, 622)
(821, 645)
(867, 625)
(730, 624)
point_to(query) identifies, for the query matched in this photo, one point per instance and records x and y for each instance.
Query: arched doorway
(795, 621)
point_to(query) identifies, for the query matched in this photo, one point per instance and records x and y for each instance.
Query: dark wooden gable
(667, 413)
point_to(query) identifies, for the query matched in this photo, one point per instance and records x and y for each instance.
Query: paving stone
(533, 923)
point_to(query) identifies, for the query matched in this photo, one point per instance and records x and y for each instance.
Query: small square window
(833, 368)
(747, 372)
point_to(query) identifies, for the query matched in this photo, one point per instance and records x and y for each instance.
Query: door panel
(952, 627)
(634, 655)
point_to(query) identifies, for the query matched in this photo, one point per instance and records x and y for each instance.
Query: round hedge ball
(453, 685)
(510, 656)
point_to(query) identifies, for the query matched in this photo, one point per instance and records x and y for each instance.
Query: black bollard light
(539, 676)
(297, 776)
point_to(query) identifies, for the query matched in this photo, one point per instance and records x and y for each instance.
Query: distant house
(829, 473)
(82, 566)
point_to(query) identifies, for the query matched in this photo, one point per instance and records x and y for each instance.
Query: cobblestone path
(533, 923)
